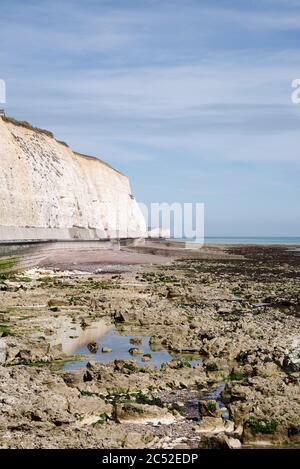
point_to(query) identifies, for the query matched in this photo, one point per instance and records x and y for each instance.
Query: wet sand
(150, 253)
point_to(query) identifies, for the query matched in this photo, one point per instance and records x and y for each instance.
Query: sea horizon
(276, 240)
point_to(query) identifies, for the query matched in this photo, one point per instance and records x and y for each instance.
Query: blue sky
(191, 99)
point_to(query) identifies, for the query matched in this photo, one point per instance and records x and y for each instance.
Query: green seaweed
(86, 393)
(104, 285)
(130, 367)
(7, 263)
(211, 406)
(263, 426)
(5, 330)
(211, 367)
(237, 376)
(103, 418)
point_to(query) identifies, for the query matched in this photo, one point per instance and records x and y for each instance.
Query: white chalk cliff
(47, 191)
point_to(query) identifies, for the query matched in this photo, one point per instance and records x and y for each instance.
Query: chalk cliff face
(47, 191)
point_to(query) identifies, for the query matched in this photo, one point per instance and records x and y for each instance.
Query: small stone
(234, 443)
(38, 416)
(146, 357)
(83, 323)
(172, 293)
(54, 302)
(135, 351)
(3, 351)
(93, 347)
(135, 341)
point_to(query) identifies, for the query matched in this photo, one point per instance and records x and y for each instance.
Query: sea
(287, 240)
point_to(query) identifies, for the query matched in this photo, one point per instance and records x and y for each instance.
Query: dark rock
(93, 347)
(135, 341)
(135, 351)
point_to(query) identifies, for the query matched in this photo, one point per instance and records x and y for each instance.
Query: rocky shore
(239, 313)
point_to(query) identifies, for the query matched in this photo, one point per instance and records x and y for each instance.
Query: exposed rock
(146, 357)
(172, 293)
(135, 351)
(57, 302)
(209, 408)
(220, 442)
(250, 345)
(83, 323)
(212, 425)
(143, 414)
(134, 440)
(3, 351)
(93, 347)
(90, 405)
(135, 341)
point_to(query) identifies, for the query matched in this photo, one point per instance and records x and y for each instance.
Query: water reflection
(73, 337)
(107, 337)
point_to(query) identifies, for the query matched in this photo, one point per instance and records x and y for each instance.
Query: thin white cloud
(197, 107)
(169, 92)
(60, 27)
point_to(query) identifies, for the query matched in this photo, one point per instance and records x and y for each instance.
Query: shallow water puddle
(102, 337)
(187, 400)
(192, 405)
(73, 337)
